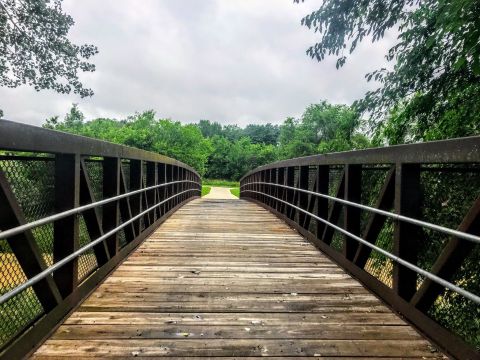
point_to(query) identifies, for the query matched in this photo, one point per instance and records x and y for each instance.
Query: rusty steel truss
(404, 220)
(71, 209)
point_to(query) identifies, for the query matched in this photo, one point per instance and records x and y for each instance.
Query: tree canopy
(322, 128)
(35, 49)
(430, 91)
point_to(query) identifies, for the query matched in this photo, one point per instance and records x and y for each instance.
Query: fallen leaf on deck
(184, 334)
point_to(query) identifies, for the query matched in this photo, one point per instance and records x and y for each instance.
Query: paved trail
(220, 193)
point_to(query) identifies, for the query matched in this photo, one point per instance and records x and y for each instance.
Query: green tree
(104, 129)
(457, 116)
(218, 161)
(232, 132)
(73, 121)
(182, 142)
(244, 156)
(143, 131)
(35, 49)
(232, 159)
(209, 128)
(322, 128)
(262, 134)
(436, 58)
(324, 121)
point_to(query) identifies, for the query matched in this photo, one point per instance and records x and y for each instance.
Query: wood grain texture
(227, 279)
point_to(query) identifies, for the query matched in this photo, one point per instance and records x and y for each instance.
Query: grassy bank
(220, 183)
(235, 191)
(205, 190)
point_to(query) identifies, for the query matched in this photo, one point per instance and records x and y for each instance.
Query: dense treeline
(226, 151)
(229, 151)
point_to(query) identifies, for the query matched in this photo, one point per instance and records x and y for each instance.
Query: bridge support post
(290, 178)
(136, 176)
(150, 194)
(406, 236)
(258, 178)
(283, 191)
(161, 191)
(268, 188)
(262, 186)
(280, 191)
(111, 213)
(182, 186)
(126, 209)
(169, 188)
(353, 192)
(323, 179)
(66, 230)
(176, 177)
(302, 196)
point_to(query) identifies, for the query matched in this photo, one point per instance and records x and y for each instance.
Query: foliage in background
(457, 116)
(232, 159)
(226, 151)
(323, 128)
(143, 131)
(431, 91)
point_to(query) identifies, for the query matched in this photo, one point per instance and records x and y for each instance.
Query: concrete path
(220, 193)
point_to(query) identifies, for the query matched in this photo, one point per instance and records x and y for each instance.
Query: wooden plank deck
(225, 278)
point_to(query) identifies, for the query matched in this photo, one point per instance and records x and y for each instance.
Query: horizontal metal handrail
(41, 275)
(391, 256)
(443, 229)
(46, 220)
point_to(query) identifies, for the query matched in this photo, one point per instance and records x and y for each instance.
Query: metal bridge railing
(71, 209)
(404, 220)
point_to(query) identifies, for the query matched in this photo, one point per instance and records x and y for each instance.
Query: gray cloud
(232, 61)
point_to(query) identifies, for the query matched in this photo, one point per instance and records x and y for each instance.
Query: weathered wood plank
(140, 357)
(228, 279)
(235, 347)
(330, 332)
(236, 319)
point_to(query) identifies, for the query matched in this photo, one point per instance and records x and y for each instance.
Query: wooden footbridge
(108, 251)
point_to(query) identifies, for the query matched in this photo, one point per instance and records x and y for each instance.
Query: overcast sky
(231, 61)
